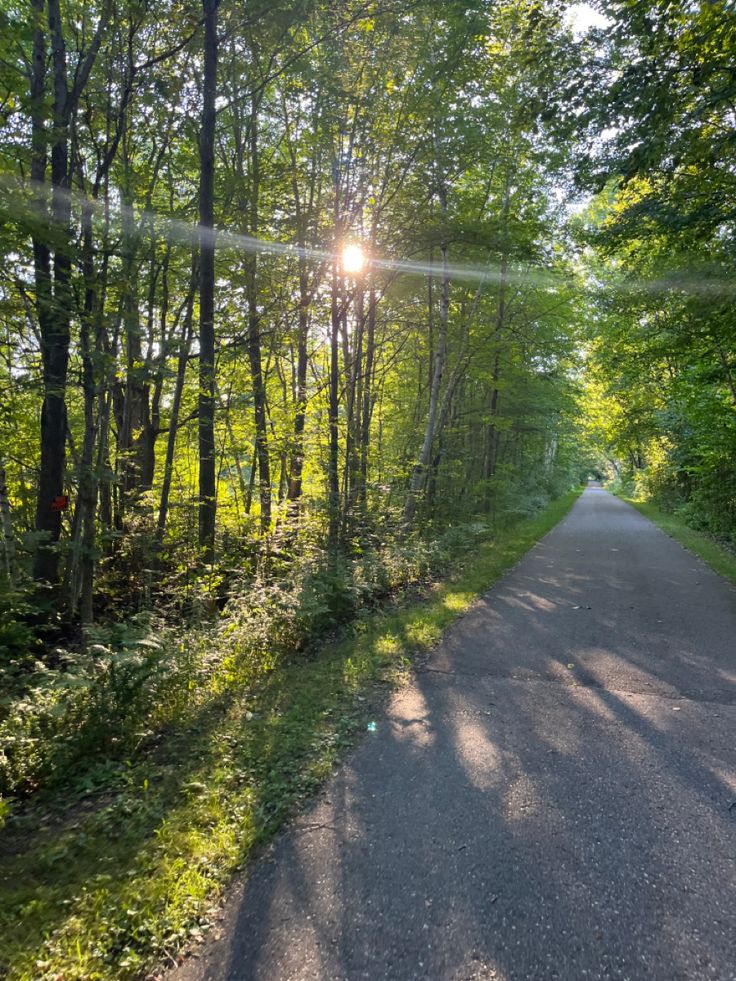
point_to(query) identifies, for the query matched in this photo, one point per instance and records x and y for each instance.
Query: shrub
(136, 677)
(90, 705)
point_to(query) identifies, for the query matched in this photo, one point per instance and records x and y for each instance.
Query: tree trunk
(420, 468)
(181, 370)
(365, 428)
(238, 462)
(300, 414)
(254, 332)
(132, 396)
(9, 553)
(82, 577)
(207, 489)
(491, 451)
(492, 436)
(333, 460)
(53, 302)
(304, 212)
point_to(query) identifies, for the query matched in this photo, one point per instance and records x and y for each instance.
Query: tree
(325, 407)
(207, 482)
(52, 262)
(663, 349)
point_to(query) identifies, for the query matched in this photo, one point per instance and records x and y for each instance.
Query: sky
(582, 17)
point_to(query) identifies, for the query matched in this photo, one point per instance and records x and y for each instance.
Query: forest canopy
(213, 382)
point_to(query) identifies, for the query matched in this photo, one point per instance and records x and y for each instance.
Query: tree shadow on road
(550, 796)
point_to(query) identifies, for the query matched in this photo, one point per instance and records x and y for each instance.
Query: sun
(353, 259)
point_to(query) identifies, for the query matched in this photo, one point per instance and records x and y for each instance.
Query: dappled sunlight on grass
(458, 602)
(387, 644)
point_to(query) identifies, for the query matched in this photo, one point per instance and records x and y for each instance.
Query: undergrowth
(112, 868)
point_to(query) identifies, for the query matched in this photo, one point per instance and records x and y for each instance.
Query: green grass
(107, 884)
(718, 557)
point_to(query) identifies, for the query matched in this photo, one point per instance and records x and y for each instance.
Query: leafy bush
(712, 507)
(87, 706)
(18, 640)
(264, 621)
(134, 678)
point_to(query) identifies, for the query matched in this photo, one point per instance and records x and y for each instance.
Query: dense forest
(300, 303)
(662, 343)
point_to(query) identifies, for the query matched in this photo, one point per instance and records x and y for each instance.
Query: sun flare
(353, 259)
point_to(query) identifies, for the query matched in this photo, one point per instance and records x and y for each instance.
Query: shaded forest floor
(114, 873)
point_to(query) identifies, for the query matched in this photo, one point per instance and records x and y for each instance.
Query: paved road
(549, 799)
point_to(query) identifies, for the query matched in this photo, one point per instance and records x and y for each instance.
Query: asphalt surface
(548, 799)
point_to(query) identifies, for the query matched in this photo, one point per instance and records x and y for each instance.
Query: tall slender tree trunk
(353, 408)
(48, 522)
(105, 411)
(367, 411)
(304, 211)
(133, 395)
(297, 458)
(254, 329)
(236, 456)
(490, 461)
(181, 370)
(259, 406)
(54, 311)
(9, 553)
(54, 295)
(82, 578)
(419, 472)
(207, 489)
(491, 449)
(151, 434)
(333, 476)
(251, 480)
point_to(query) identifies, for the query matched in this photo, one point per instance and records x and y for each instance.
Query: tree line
(193, 377)
(656, 128)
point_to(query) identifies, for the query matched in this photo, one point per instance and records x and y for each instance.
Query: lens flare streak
(22, 201)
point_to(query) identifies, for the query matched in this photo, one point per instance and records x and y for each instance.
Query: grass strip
(108, 885)
(719, 557)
